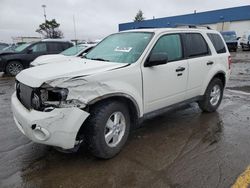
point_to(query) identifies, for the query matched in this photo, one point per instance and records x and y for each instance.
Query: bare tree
(50, 29)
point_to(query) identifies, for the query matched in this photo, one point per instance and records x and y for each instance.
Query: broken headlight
(48, 97)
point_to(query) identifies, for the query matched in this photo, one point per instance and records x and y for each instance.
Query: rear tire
(13, 68)
(107, 129)
(212, 97)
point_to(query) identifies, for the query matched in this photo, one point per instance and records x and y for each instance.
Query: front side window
(196, 45)
(170, 45)
(40, 47)
(217, 42)
(22, 47)
(121, 47)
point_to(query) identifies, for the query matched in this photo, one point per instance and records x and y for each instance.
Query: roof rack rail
(192, 26)
(145, 27)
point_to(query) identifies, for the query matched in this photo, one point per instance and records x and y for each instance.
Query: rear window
(217, 42)
(196, 45)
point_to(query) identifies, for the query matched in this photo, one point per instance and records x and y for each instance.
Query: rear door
(165, 84)
(200, 61)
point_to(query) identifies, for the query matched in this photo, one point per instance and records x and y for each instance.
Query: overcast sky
(94, 18)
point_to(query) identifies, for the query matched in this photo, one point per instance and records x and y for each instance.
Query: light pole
(44, 12)
(222, 19)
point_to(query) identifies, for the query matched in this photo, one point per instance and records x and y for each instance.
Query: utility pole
(74, 28)
(44, 12)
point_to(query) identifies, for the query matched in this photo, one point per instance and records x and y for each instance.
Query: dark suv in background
(230, 39)
(12, 63)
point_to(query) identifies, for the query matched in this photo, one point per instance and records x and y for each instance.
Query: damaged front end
(46, 98)
(48, 115)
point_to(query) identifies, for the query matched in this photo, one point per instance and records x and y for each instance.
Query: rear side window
(171, 45)
(58, 46)
(196, 45)
(54, 47)
(65, 45)
(217, 42)
(40, 47)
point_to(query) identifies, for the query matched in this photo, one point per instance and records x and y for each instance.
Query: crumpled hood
(36, 76)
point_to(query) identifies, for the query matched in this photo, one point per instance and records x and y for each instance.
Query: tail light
(229, 62)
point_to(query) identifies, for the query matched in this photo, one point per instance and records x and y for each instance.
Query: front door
(164, 85)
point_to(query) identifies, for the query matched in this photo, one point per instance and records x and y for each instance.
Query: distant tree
(50, 29)
(139, 16)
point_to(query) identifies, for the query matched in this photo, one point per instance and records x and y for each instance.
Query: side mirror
(156, 59)
(29, 51)
(238, 38)
(83, 55)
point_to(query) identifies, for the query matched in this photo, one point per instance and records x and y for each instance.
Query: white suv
(126, 78)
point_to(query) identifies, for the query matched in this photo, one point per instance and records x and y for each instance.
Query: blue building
(237, 19)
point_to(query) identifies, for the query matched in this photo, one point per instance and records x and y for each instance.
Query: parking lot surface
(184, 148)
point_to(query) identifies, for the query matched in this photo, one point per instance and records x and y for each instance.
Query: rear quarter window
(217, 42)
(57, 47)
(195, 45)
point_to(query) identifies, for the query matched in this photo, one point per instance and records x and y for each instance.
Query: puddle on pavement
(183, 148)
(242, 88)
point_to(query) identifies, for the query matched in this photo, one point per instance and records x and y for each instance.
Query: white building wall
(25, 39)
(239, 27)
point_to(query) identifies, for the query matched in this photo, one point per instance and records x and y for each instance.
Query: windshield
(22, 47)
(121, 47)
(74, 50)
(229, 36)
(9, 49)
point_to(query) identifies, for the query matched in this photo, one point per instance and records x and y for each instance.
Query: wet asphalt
(184, 148)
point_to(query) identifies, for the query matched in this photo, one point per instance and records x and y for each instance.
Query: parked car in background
(3, 45)
(65, 56)
(230, 39)
(245, 41)
(13, 62)
(128, 77)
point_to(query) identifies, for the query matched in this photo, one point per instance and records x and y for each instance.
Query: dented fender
(83, 91)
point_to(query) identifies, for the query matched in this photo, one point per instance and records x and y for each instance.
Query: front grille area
(24, 94)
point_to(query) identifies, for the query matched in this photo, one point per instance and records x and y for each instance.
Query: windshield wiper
(99, 59)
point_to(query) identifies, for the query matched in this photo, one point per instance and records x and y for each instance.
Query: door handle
(180, 69)
(210, 63)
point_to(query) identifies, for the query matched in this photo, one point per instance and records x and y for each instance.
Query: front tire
(212, 97)
(13, 68)
(107, 129)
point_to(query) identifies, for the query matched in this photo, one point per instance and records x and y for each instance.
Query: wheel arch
(11, 60)
(134, 109)
(222, 76)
